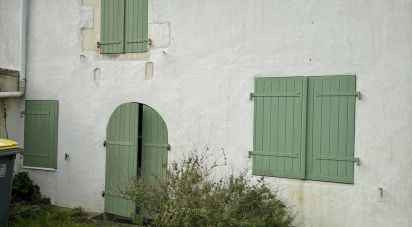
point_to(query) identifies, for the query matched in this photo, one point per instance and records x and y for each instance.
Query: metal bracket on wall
(358, 94)
(103, 193)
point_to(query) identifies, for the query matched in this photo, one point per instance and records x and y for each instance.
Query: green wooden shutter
(112, 27)
(136, 26)
(331, 122)
(154, 138)
(280, 127)
(40, 133)
(121, 159)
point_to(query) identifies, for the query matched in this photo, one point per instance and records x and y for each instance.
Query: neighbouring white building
(116, 88)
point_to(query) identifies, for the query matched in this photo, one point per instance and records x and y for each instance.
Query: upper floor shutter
(40, 133)
(136, 26)
(112, 26)
(280, 127)
(331, 122)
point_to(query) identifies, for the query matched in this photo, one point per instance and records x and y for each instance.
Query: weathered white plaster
(86, 17)
(201, 84)
(159, 34)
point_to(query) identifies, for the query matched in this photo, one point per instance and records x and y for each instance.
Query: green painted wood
(330, 131)
(41, 133)
(280, 127)
(154, 149)
(112, 26)
(121, 159)
(136, 23)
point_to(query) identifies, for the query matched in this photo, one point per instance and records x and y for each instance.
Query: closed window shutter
(136, 26)
(280, 127)
(331, 122)
(40, 133)
(112, 27)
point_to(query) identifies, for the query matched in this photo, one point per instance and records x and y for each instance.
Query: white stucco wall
(9, 59)
(201, 83)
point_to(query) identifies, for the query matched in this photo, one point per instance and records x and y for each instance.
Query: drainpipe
(23, 36)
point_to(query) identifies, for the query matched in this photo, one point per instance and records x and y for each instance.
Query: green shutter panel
(136, 26)
(40, 133)
(154, 149)
(280, 127)
(121, 159)
(331, 122)
(112, 27)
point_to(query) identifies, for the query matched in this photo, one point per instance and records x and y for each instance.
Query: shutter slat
(112, 27)
(40, 134)
(331, 122)
(279, 127)
(136, 26)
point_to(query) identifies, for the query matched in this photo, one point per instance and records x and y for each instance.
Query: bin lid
(8, 144)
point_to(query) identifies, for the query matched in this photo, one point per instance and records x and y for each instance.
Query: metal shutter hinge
(104, 143)
(335, 158)
(138, 41)
(99, 44)
(103, 193)
(358, 94)
(275, 94)
(357, 161)
(337, 93)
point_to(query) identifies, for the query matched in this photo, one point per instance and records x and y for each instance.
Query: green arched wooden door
(121, 158)
(124, 156)
(155, 145)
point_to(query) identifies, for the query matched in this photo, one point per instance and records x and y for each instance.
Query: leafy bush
(188, 197)
(24, 190)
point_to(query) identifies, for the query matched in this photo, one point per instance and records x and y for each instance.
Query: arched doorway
(136, 145)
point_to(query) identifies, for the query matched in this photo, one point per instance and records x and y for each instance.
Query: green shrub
(188, 197)
(23, 190)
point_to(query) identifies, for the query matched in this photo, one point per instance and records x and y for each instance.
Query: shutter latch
(358, 94)
(357, 161)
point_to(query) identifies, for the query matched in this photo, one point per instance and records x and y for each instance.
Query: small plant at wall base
(188, 197)
(24, 190)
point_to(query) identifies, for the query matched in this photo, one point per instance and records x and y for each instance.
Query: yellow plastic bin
(8, 151)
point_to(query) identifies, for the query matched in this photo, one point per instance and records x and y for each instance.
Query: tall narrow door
(121, 158)
(155, 146)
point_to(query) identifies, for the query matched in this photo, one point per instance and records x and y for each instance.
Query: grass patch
(24, 214)
(30, 208)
